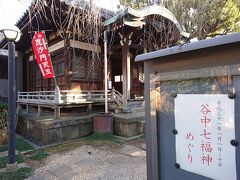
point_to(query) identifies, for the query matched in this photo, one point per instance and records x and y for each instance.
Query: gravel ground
(87, 162)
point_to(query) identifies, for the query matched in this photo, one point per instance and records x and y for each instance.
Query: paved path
(95, 163)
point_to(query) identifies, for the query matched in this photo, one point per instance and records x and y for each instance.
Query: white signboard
(205, 126)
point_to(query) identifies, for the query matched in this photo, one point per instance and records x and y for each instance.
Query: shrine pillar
(126, 71)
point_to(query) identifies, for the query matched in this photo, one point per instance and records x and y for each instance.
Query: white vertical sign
(205, 126)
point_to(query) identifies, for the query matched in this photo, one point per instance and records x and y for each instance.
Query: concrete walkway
(95, 163)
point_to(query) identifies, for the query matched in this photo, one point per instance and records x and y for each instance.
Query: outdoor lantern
(12, 34)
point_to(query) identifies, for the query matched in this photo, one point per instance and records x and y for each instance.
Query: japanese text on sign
(205, 125)
(206, 146)
(42, 56)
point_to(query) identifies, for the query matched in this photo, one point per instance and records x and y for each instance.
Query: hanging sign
(205, 127)
(42, 56)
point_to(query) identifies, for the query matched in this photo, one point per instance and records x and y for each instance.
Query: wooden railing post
(57, 100)
(125, 105)
(113, 94)
(57, 95)
(27, 105)
(39, 97)
(89, 95)
(18, 95)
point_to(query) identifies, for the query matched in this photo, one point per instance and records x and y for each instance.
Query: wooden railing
(69, 96)
(37, 97)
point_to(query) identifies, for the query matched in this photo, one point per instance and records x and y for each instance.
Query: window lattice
(79, 68)
(60, 68)
(93, 70)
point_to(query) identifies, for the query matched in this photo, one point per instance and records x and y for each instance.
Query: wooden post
(126, 71)
(27, 109)
(18, 108)
(113, 94)
(89, 108)
(39, 110)
(56, 112)
(89, 96)
(57, 95)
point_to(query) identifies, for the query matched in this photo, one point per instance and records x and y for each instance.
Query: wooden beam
(51, 49)
(85, 46)
(56, 46)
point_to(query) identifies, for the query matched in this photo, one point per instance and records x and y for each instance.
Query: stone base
(45, 130)
(129, 125)
(11, 167)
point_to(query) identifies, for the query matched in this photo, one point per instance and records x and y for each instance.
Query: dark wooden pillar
(126, 71)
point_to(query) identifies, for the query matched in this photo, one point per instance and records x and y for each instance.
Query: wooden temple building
(74, 32)
(75, 42)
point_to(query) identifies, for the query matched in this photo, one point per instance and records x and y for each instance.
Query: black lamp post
(12, 35)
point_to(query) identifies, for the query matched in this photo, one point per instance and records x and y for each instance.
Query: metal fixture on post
(105, 70)
(103, 122)
(12, 35)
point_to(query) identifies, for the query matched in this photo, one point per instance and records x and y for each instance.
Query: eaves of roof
(148, 11)
(194, 46)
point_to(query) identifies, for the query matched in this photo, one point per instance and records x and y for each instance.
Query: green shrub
(19, 174)
(3, 116)
(97, 136)
(4, 160)
(3, 148)
(21, 145)
(39, 155)
(3, 123)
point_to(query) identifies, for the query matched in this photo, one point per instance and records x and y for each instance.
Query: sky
(12, 10)
(108, 4)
